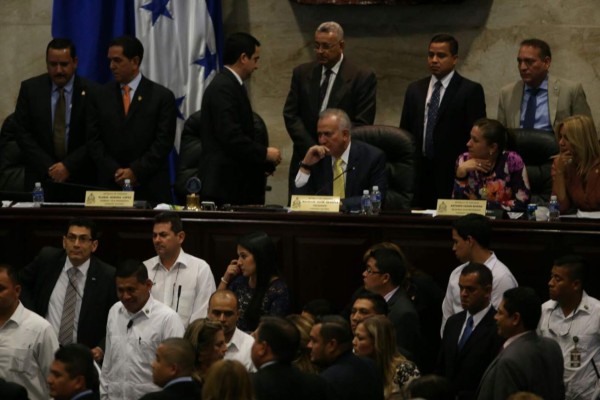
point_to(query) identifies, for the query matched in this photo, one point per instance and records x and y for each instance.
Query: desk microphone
(329, 184)
(178, 296)
(129, 324)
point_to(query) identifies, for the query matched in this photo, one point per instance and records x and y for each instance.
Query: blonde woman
(227, 380)
(208, 339)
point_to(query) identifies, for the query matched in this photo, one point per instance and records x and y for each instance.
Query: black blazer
(281, 381)
(177, 391)
(12, 391)
(99, 294)
(404, 316)
(352, 377)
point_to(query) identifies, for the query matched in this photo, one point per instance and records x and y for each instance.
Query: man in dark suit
(439, 112)
(47, 284)
(361, 166)
(234, 159)
(172, 371)
(470, 341)
(50, 123)
(73, 374)
(329, 82)
(276, 346)
(132, 126)
(12, 391)
(528, 362)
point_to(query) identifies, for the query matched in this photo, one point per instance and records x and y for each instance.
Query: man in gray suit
(528, 362)
(538, 100)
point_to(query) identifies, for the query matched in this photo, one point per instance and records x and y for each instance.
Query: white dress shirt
(334, 72)
(239, 348)
(445, 82)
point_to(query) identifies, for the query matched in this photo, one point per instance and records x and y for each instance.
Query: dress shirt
(389, 294)
(583, 322)
(57, 298)
(133, 85)
(178, 380)
(127, 368)
(477, 317)
(542, 109)
(445, 82)
(68, 92)
(503, 280)
(239, 348)
(334, 72)
(302, 178)
(236, 75)
(194, 277)
(82, 394)
(27, 346)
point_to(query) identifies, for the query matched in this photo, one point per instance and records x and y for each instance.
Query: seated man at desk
(339, 167)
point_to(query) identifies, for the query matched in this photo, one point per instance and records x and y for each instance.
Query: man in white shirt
(572, 319)
(136, 326)
(471, 235)
(179, 280)
(27, 341)
(224, 308)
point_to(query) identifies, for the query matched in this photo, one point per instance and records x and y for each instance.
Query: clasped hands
(125, 173)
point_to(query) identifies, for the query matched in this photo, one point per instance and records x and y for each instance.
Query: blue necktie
(529, 120)
(432, 115)
(466, 333)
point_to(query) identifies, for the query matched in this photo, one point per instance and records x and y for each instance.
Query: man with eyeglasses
(572, 319)
(331, 81)
(71, 288)
(538, 100)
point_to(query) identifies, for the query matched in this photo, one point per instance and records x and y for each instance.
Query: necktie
(60, 125)
(324, 86)
(529, 120)
(126, 98)
(466, 333)
(338, 179)
(432, 115)
(67, 322)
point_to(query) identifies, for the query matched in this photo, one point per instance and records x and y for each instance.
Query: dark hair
(62, 43)
(576, 265)
(336, 327)
(430, 387)
(526, 302)
(169, 217)
(130, 267)
(493, 131)
(484, 277)
(319, 307)
(132, 47)
(237, 44)
(474, 225)
(181, 353)
(389, 262)
(78, 361)
(445, 38)
(281, 335)
(11, 272)
(86, 223)
(538, 44)
(379, 304)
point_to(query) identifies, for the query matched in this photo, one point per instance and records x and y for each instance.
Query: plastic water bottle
(554, 208)
(38, 195)
(127, 186)
(376, 200)
(365, 203)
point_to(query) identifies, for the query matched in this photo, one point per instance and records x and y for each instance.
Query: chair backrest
(12, 161)
(398, 147)
(536, 148)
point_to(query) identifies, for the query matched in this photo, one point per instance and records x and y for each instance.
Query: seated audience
(490, 171)
(208, 339)
(73, 374)
(576, 170)
(255, 279)
(227, 380)
(302, 360)
(317, 308)
(366, 304)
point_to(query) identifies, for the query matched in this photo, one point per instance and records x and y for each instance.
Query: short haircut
(135, 268)
(180, 352)
(78, 361)
(430, 387)
(526, 302)
(319, 307)
(282, 337)
(342, 118)
(576, 265)
(169, 217)
(335, 327)
(484, 275)
(11, 272)
(224, 293)
(237, 44)
(379, 304)
(538, 44)
(389, 262)
(474, 225)
(60, 44)
(446, 38)
(493, 131)
(86, 223)
(331, 27)
(132, 47)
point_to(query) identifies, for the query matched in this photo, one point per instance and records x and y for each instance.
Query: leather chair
(398, 146)
(536, 147)
(12, 162)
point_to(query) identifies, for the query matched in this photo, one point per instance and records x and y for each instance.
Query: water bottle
(38, 195)
(365, 203)
(554, 208)
(376, 200)
(127, 186)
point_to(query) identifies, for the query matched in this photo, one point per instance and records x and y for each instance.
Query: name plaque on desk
(97, 198)
(327, 204)
(460, 207)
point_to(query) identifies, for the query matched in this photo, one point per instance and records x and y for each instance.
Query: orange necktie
(126, 99)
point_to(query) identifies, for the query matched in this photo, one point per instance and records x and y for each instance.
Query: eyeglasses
(325, 46)
(370, 271)
(83, 239)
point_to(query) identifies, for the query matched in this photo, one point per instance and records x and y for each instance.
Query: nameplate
(460, 207)
(327, 204)
(108, 199)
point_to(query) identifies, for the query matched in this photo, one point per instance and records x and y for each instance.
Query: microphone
(129, 324)
(328, 184)
(178, 296)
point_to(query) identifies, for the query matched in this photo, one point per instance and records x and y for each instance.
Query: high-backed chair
(536, 147)
(12, 163)
(398, 146)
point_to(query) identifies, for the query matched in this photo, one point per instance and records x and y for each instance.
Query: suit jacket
(140, 140)
(531, 363)
(463, 103)
(403, 314)
(352, 377)
(99, 293)
(365, 169)
(34, 134)
(12, 391)
(177, 391)
(281, 381)
(233, 160)
(354, 91)
(565, 98)
(465, 367)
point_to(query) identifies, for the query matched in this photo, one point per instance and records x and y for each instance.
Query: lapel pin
(139, 98)
(83, 92)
